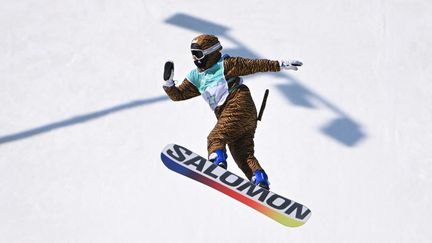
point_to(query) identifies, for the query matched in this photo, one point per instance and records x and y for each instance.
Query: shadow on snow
(79, 119)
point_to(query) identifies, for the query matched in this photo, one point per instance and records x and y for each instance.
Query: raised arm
(184, 91)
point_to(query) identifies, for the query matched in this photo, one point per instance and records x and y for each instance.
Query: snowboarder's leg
(236, 126)
(216, 146)
(243, 151)
(227, 129)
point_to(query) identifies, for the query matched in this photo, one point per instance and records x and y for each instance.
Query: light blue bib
(211, 84)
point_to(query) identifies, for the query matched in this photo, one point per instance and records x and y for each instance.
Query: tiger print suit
(237, 115)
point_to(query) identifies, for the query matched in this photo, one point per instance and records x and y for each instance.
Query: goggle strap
(212, 49)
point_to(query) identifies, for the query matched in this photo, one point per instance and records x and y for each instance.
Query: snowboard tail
(285, 211)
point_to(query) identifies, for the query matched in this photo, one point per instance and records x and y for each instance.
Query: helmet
(205, 51)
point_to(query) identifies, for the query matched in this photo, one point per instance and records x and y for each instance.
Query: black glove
(168, 74)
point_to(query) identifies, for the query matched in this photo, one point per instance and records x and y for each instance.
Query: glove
(168, 74)
(290, 64)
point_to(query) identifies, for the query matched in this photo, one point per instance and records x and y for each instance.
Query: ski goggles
(199, 54)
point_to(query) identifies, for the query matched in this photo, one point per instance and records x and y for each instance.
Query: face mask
(201, 63)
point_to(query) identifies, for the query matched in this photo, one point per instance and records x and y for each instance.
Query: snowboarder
(217, 79)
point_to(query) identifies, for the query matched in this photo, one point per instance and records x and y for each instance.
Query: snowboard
(281, 209)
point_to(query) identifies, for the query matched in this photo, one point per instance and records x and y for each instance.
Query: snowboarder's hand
(290, 64)
(168, 74)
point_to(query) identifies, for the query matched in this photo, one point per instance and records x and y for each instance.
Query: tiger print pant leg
(236, 127)
(242, 152)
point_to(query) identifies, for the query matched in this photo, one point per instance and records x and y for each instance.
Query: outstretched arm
(239, 66)
(184, 91)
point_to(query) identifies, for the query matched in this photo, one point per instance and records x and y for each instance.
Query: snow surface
(84, 118)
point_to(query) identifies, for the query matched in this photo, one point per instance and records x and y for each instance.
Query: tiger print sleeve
(184, 91)
(239, 66)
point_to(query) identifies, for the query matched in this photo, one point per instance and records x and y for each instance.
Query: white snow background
(83, 120)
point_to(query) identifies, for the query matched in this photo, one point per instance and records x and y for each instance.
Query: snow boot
(261, 179)
(219, 158)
